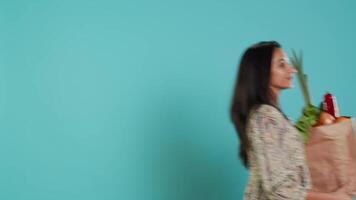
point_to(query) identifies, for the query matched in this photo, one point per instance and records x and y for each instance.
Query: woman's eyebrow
(284, 59)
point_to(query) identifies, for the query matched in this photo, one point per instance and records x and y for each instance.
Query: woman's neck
(275, 96)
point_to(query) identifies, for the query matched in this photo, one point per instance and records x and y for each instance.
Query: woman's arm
(281, 180)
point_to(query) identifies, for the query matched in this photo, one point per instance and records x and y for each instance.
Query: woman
(270, 146)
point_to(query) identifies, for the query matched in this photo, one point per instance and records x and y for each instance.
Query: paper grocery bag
(331, 157)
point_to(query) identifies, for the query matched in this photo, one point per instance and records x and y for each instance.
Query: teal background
(129, 99)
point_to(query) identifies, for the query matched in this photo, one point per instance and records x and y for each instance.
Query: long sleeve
(272, 143)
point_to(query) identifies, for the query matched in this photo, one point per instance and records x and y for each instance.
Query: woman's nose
(293, 69)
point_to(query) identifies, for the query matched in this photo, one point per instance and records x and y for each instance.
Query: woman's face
(281, 72)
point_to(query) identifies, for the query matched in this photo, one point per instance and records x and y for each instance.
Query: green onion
(310, 114)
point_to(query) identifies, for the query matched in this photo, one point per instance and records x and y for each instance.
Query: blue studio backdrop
(129, 100)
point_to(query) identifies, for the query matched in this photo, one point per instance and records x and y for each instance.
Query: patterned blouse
(278, 169)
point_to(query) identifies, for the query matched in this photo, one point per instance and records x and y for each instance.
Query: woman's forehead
(279, 54)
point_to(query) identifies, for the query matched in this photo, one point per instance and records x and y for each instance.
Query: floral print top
(278, 168)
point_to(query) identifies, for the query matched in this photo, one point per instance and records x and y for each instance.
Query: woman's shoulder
(266, 109)
(266, 117)
(265, 112)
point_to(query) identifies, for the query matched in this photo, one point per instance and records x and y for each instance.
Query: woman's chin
(289, 86)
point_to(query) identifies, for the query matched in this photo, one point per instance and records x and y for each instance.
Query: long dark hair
(251, 89)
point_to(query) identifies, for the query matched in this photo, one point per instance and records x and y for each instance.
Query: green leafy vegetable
(311, 113)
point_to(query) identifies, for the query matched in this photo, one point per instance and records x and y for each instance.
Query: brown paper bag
(331, 157)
